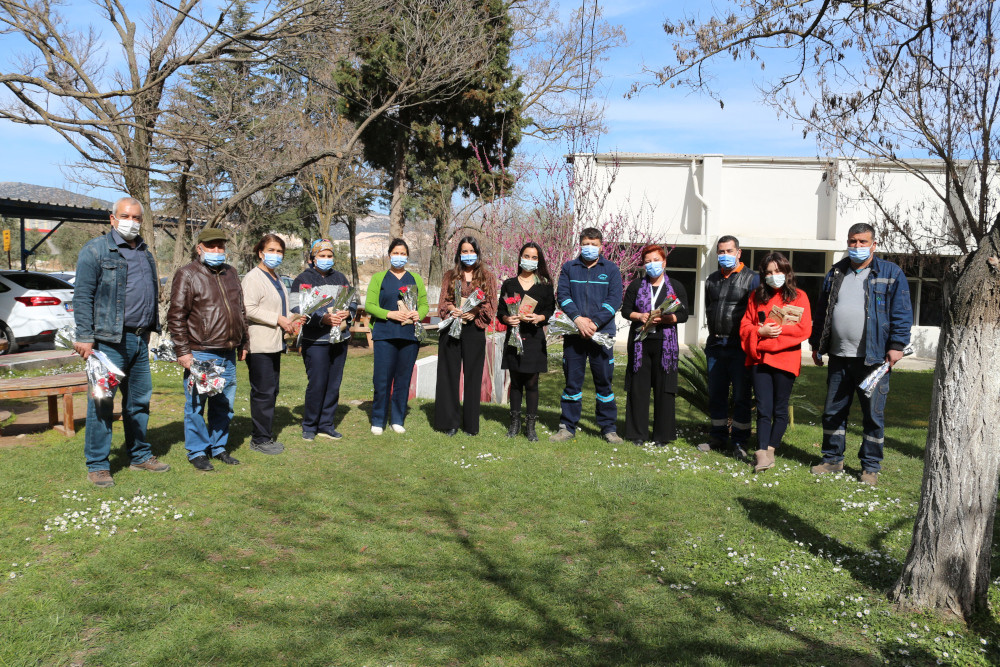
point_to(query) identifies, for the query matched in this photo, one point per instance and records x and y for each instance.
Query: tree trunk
(180, 235)
(352, 239)
(400, 186)
(948, 566)
(439, 248)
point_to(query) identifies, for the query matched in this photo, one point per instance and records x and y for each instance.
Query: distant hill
(47, 195)
(372, 224)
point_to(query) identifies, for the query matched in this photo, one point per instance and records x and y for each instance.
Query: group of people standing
(216, 317)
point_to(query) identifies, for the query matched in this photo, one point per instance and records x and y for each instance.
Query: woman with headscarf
(652, 362)
(324, 361)
(466, 353)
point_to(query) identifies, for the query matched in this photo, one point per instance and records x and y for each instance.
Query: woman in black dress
(652, 362)
(533, 281)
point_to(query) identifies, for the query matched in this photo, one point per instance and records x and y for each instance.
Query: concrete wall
(767, 202)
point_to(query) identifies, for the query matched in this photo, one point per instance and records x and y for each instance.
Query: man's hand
(83, 349)
(892, 356)
(185, 361)
(586, 326)
(817, 358)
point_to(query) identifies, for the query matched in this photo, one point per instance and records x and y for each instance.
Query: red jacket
(783, 352)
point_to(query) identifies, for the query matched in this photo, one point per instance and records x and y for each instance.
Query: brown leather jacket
(206, 309)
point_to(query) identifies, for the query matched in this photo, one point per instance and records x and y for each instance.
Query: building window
(682, 267)
(924, 275)
(810, 268)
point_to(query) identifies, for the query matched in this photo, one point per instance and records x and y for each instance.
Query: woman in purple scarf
(652, 362)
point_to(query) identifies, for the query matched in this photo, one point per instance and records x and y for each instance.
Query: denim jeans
(842, 380)
(131, 356)
(727, 367)
(201, 438)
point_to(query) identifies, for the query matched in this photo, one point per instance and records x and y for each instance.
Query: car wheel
(7, 341)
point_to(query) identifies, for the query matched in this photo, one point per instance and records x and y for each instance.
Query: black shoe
(267, 447)
(202, 463)
(529, 429)
(515, 424)
(227, 459)
(450, 432)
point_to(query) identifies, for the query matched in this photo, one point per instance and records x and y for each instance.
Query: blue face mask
(213, 258)
(398, 261)
(590, 252)
(529, 264)
(272, 260)
(859, 255)
(324, 263)
(654, 269)
(728, 261)
(469, 259)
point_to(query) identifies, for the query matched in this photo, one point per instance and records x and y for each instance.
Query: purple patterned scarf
(644, 304)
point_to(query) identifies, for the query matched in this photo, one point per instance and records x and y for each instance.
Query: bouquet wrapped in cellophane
(65, 337)
(102, 375)
(206, 377)
(869, 384)
(408, 296)
(562, 325)
(310, 301)
(341, 301)
(667, 308)
(454, 322)
(513, 304)
(164, 349)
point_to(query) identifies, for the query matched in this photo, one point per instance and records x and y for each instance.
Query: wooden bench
(50, 386)
(362, 322)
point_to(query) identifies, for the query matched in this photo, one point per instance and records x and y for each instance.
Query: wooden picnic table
(50, 386)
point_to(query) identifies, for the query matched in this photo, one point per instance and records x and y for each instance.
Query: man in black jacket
(727, 292)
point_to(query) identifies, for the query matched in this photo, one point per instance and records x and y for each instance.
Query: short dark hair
(393, 244)
(264, 240)
(591, 233)
(861, 228)
(727, 239)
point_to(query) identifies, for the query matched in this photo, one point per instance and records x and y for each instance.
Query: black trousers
(650, 376)
(264, 369)
(773, 389)
(524, 384)
(468, 353)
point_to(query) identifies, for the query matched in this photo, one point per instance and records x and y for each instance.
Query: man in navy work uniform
(590, 293)
(115, 307)
(864, 318)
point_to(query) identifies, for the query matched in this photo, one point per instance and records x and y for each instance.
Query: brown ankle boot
(765, 459)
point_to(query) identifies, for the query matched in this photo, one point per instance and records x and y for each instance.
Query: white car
(33, 306)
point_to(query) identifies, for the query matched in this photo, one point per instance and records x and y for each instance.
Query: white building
(802, 207)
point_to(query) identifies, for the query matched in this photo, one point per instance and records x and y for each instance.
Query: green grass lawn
(419, 549)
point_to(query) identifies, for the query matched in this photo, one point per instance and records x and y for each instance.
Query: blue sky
(657, 120)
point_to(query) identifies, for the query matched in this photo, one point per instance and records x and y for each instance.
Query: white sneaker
(398, 428)
(377, 430)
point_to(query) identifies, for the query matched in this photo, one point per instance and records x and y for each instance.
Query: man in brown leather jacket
(208, 322)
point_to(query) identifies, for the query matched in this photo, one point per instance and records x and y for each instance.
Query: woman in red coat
(776, 323)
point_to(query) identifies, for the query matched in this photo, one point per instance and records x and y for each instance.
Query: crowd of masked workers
(757, 323)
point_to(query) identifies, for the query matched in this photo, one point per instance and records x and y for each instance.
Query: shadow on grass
(511, 604)
(793, 528)
(905, 448)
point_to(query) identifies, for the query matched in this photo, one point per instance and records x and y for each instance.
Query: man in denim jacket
(115, 308)
(864, 318)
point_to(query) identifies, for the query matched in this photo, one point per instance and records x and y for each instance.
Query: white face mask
(128, 229)
(775, 280)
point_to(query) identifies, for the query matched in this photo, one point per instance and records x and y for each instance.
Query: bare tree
(558, 61)
(897, 80)
(61, 77)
